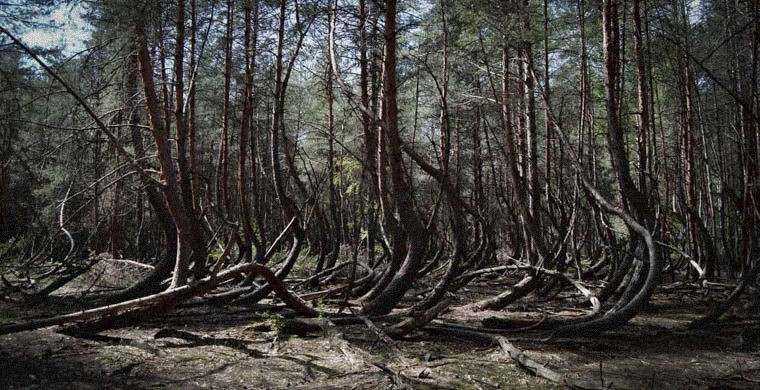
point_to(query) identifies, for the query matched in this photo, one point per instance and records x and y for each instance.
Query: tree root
(523, 361)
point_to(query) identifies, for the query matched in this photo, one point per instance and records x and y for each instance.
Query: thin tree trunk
(547, 92)
(370, 138)
(332, 193)
(191, 111)
(170, 182)
(245, 127)
(222, 179)
(643, 95)
(445, 142)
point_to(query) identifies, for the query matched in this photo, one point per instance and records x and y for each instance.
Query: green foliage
(321, 308)
(348, 175)
(275, 320)
(215, 253)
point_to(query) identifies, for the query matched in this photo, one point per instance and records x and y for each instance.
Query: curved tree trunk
(401, 195)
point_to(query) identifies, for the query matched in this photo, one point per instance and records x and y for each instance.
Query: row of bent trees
(500, 177)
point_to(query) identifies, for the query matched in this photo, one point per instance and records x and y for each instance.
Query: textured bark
(640, 291)
(515, 180)
(191, 110)
(245, 126)
(642, 91)
(370, 137)
(547, 92)
(151, 283)
(141, 309)
(282, 73)
(331, 171)
(616, 145)
(530, 147)
(194, 238)
(169, 179)
(520, 290)
(445, 142)
(401, 194)
(222, 171)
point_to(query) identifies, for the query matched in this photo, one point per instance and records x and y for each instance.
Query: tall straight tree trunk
(478, 198)
(700, 241)
(521, 115)
(687, 140)
(445, 142)
(370, 138)
(690, 184)
(332, 193)
(547, 121)
(191, 111)
(274, 135)
(115, 227)
(165, 82)
(582, 118)
(506, 115)
(530, 147)
(222, 172)
(751, 149)
(516, 181)
(643, 95)
(289, 208)
(193, 230)
(245, 126)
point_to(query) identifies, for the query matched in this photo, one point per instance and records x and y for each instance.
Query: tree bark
(245, 127)
(169, 179)
(222, 172)
(415, 231)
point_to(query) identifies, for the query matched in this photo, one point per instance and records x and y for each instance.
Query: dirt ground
(220, 348)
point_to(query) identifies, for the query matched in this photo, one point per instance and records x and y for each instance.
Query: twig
(523, 361)
(63, 229)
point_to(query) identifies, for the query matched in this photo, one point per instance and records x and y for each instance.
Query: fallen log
(162, 302)
(199, 340)
(418, 320)
(524, 287)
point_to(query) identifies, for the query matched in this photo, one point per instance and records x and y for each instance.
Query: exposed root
(523, 361)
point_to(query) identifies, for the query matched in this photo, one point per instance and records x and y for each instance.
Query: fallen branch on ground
(162, 302)
(523, 361)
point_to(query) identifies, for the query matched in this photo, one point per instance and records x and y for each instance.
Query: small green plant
(274, 319)
(321, 307)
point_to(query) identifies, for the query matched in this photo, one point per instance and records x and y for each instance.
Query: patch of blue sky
(65, 28)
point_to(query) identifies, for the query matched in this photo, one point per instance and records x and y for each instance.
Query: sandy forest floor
(222, 347)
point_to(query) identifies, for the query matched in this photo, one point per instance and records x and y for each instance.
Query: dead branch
(523, 361)
(519, 290)
(418, 320)
(164, 301)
